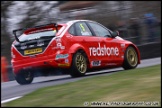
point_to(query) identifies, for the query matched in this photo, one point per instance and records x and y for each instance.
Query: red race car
(76, 46)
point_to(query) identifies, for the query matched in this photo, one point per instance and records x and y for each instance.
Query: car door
(109, 46)
(85, 37)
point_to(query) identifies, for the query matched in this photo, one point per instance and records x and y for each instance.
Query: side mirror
(114, 34)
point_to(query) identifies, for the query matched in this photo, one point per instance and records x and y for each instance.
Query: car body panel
(100, 51)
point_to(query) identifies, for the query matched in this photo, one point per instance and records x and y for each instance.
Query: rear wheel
(24, 77)
(130, 58)
(79, 65)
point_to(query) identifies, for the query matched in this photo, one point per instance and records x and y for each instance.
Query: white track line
(11, 99)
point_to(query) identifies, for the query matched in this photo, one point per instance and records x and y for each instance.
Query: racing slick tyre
(79, 65)
(130, 58)
(24, 77)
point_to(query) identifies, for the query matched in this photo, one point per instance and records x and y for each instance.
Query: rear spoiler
(14, 31)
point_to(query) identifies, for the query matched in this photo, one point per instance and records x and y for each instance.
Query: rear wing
(22, 29)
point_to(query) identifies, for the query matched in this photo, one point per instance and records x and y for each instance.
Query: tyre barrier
(4, 69)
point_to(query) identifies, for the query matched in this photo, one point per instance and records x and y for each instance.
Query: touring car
(76, 46)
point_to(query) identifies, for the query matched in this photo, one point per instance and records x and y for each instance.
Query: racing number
(83, 29)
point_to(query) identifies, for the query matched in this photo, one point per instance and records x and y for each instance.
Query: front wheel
(24, 77)
(130, 58)
(79, 65)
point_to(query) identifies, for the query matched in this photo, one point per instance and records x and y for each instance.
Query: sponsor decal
(30, 46)
(122, 45)
(23, 47)
(61, 56)
(96, 63)
(62, 47)
(111, 64)
(58, 39)
(85, 33)
(32, 56)
(58, 45)
(23, 44)
(65, 64)
(103, 51)
(39, 43)
(66, 60)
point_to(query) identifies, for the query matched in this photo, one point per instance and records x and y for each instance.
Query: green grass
(143, 84)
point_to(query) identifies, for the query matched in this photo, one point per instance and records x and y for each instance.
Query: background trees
(20, 14)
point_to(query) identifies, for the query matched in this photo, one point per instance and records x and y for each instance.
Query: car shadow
(89, 74)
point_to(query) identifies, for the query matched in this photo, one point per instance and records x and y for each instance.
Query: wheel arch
(78, 48)
(138, 52)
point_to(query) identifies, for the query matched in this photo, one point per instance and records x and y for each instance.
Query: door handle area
(84, 40)
(102, 41)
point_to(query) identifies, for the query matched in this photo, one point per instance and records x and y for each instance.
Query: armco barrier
(149, 50)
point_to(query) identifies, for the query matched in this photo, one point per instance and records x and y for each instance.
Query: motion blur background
(137, 21)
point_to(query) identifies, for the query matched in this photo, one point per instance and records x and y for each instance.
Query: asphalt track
(12, 90)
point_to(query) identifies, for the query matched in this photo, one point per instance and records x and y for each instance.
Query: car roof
(73, 21)
(70, 22)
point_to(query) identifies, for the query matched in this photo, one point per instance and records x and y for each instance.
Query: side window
(82, 29)
(71, 30)
(99, 30)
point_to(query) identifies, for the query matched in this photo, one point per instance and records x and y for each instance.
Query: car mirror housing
(114, 34)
